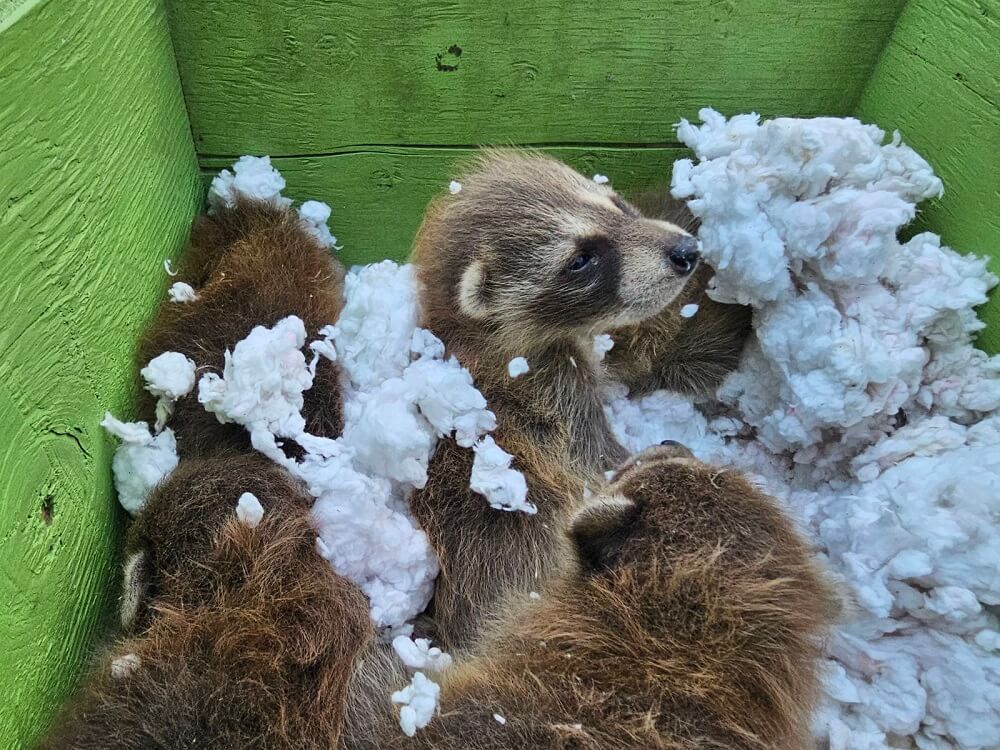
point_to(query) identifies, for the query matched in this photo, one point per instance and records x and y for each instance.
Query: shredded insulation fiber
(863, 405)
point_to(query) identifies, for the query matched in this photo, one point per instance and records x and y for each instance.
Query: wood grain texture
(938, 83)
(98, 183)
(11, 10)
(307, 77)
(378, 196)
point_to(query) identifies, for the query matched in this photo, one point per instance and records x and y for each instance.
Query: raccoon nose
(683, 255)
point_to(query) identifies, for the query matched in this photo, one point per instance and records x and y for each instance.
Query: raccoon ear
(471, 290)
(600, 529)
(136, 588)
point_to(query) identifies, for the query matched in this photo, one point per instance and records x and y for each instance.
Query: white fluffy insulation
(144, 458)
(254, 177)
(168, 376)
(249, 510)
(854, 331)
(141, 460)
(417, 702)
(518, 367)
(182, 292)
(400, 397)
(864, 406)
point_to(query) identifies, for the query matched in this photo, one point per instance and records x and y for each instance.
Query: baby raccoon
(236, 636)
(688, 616)
(532, 259)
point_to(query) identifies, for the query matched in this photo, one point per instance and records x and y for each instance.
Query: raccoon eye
(589, 250)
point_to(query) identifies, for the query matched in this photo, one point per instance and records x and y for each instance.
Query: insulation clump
(182, 292)
(517, 367)
(141, 461)
(400, 396)
(168, 376)
(418, 653)
(861, 403)
(249, 510)
(492, 477)
(842, 307)
(315, 215)
(251, 177)
(418, 703)
(603, 343)
(364, 530)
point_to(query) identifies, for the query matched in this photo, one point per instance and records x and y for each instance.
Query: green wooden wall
(98, 183)
(368, 106)
(938, 83)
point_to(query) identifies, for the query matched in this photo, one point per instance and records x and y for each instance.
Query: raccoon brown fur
(236, 637)
(687, 355)
(679, 611)
(532, 259)
(251, 265)
(689, 616)
(245, 637)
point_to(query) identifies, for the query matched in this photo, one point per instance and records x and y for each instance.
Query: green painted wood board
(98, 182)
(938, 82)
(11, 10)
(309, 77)
(378, 195)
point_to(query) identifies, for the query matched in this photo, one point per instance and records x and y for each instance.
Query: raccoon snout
(683, 255)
